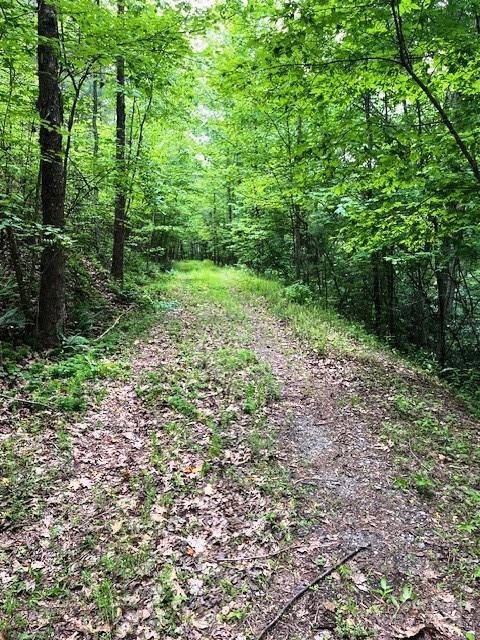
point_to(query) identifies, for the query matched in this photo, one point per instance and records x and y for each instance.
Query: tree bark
(120, 196)
(377, 296)
(445, 278)
(297, 243)
(51, 305)
(442, 285)
(376, 256)
(391, 299)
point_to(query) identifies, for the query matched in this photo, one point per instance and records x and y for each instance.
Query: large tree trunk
(51, 305)
(120, 196)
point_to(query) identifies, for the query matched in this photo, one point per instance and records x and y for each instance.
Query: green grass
(62, 385)
(170, 598)
(104, 597)
(322, 329)
(427, 440)
(19, 484)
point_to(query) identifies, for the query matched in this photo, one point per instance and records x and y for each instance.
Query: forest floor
(248, 445)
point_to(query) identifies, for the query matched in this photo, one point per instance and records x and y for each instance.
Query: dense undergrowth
(103, 325)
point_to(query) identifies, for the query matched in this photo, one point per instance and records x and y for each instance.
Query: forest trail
(230, 438)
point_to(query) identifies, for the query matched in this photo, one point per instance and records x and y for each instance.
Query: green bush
(298, 292)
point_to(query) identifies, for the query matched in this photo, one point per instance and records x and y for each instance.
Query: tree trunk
(297, 243)
(442, 285)
(51, 305)
(445, 277)
(95, 150)
(120, 196)
(377, 297)
(376, 258)
(229, 203)
(214, 227)
(391, 299)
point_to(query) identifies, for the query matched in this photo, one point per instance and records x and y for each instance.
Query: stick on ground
(298, 595)
(33, 403)
(102, 335)
(264, 557)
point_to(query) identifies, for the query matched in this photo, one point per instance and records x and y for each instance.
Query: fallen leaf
(199, 545)
(208, 490)
(446, 597)
(430, 574)
(437, 628)
(411, 632)
(200, 624)
(123, 630)
(117, 525)
(158, 513)
(191, 469)
(360, 581)
(195, 586)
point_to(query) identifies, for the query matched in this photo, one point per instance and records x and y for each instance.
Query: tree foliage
(348, 143)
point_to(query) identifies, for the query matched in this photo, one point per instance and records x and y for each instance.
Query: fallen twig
(298, 595)
(35, 403)
(311, 480)
(102, 335)
(314, 480)
(264, 557)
